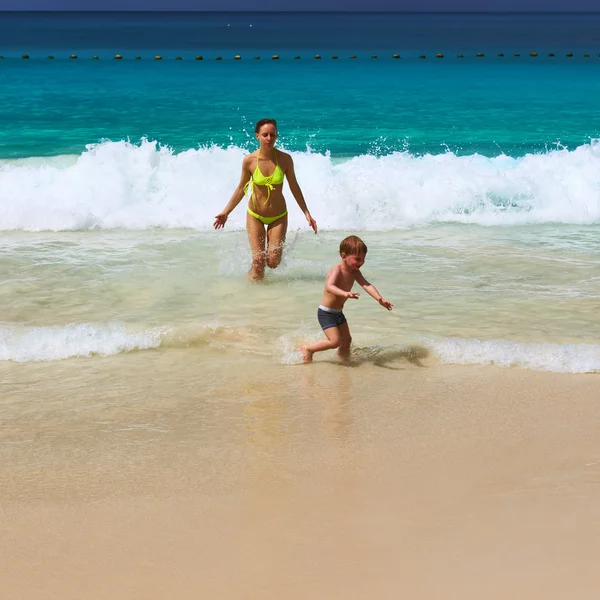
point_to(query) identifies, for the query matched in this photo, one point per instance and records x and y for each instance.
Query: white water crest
(86, 340)
(139, 186)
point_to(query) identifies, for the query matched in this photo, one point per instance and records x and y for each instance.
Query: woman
(263, 173)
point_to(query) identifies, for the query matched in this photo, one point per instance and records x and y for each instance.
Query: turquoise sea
(474, 180)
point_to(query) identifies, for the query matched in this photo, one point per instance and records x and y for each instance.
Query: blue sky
(237, 5)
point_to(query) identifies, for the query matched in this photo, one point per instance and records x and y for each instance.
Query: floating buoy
(73, 56)
(586, 56)
(459, 56)
(158, 57)
(479, 54)
(218, 58)
(533, 54)
(296, 58)
(94, 58)
(422, 56)
(178, 58)
(517, 54)
(118, 57)
(138, 58)
(50, 57)
(569, 54)
(501, 54)
(334, 57)
(439, 56)
(395, 56)
(257, 58)
(25, 56)
(551, 54)
(317, 56)
(237, 57)
(374, 56)
(353, 56)
(199, 57)
(275, 57)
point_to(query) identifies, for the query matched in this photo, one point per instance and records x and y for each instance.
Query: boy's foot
(306, 355)
(344, 356)
(343, 351)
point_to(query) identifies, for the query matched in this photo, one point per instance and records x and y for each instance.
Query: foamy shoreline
(96, 340)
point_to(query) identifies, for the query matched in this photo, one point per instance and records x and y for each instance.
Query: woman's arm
(297, 192)
(237, 196)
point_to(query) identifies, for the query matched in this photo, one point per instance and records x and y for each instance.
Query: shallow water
(453, 286)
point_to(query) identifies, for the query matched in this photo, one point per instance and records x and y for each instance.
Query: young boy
(338, 283)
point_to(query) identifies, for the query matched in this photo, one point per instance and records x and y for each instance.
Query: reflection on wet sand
(263, 422)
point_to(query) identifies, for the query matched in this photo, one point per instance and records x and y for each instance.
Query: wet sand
(149, 476)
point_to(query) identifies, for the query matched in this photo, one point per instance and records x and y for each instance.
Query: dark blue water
(411, 33)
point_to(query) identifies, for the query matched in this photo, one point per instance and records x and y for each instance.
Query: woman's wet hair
(265, 122)
(352, 246)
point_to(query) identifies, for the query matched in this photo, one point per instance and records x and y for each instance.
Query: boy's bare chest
(345, 282)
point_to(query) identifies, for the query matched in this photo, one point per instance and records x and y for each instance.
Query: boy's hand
(386, 303)
(352, 295)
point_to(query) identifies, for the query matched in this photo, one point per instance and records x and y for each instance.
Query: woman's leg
(275, 241)
(257, 238)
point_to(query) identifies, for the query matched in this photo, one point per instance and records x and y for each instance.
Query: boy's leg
(332, 341)
(257, 238)
(345, 341)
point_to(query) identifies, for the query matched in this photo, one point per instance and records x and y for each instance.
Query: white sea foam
(560, 358)
(77, 339)
(138, 186)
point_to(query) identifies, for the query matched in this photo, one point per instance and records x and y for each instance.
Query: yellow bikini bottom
(266, 220)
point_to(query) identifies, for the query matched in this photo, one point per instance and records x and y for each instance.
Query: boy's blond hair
(352, 245)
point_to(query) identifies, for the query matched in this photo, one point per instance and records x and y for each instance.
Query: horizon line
(357, 10)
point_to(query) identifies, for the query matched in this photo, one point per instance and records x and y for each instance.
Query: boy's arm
(334, 289)
(372, 291)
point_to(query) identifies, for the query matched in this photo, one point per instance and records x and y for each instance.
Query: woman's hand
(311, 222)
(220, 221)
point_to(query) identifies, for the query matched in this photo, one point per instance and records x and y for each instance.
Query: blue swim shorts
(330, 317)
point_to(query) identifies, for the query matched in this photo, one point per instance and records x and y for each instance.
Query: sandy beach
(393, 478)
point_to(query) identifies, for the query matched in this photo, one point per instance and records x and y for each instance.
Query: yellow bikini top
(269, 182)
